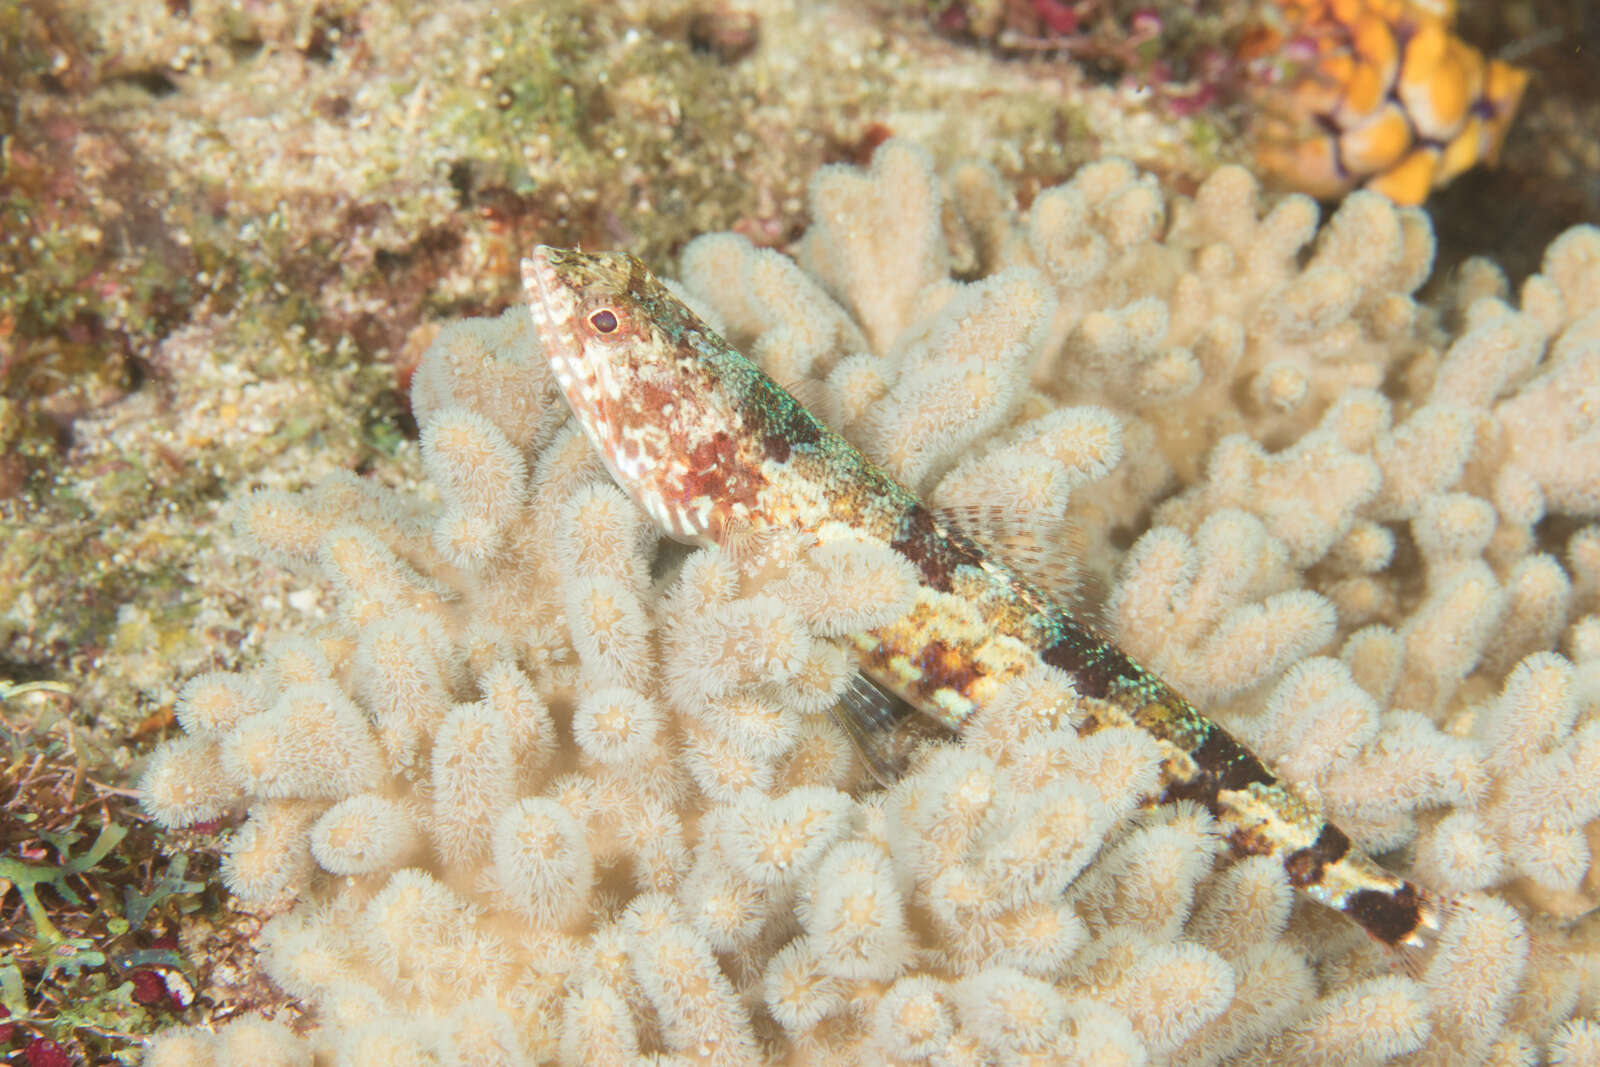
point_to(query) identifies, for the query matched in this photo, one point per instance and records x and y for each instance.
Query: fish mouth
(553, 307)
(552, 316)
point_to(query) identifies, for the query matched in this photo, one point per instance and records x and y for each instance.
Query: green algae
(604, 122)
(88, 957)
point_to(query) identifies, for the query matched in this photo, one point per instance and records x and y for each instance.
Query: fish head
(665, 401)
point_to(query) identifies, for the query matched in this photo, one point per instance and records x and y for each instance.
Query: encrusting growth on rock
(1381, 94)
(673, 905)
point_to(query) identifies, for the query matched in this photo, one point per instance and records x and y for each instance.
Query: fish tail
(1265, 815)
(1402, 916)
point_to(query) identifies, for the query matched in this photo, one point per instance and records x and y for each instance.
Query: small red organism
(42, 1052)
(149, 988)
(1057, 16)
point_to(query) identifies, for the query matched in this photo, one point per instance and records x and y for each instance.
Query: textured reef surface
(228, 235)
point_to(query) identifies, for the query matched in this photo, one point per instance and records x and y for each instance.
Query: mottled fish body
(707, 444)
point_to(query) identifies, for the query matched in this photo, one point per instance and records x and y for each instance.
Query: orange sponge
(1381, 94)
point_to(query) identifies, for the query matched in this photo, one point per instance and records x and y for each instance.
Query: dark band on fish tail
(1220, 763)
(1394, 916)
(1305, 866)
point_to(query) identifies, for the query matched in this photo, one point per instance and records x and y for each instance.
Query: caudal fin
(1433, 913)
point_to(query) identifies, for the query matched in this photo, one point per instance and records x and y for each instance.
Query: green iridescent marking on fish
(707, 444)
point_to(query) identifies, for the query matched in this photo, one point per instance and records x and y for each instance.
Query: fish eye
(604, 320)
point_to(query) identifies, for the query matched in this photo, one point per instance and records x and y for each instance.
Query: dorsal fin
(814, 395)
(1047, 550)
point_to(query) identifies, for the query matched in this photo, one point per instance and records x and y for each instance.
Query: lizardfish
(708, 445)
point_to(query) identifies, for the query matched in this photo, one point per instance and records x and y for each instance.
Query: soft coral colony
(549, 791)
